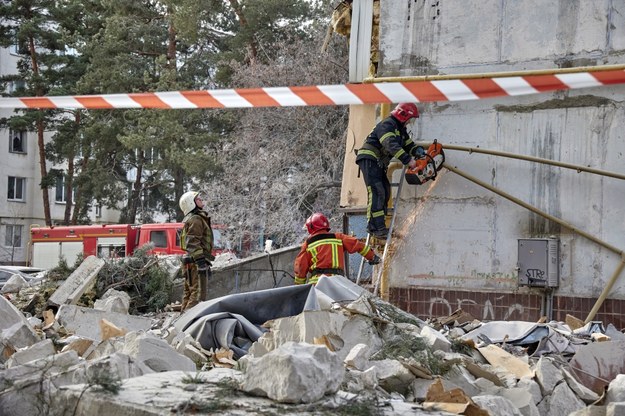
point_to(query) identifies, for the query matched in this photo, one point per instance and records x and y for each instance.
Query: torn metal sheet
(544, 337)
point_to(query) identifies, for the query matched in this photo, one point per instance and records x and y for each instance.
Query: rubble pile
(329, 349)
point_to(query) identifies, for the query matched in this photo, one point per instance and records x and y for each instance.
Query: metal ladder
(376, 279)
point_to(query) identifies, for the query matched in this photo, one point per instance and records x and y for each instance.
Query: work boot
(380, 234)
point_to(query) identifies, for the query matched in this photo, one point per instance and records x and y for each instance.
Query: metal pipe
(606, 291)
(552, 71)
(382, 279)
(578, 168)
(535, 210)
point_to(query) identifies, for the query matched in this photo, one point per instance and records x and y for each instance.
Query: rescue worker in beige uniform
(197, 241)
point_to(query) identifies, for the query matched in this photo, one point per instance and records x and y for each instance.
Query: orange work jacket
(324, 253)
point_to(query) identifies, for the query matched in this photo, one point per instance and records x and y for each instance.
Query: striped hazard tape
(381, 92)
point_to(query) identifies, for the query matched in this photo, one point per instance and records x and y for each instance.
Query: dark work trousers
(378, 193)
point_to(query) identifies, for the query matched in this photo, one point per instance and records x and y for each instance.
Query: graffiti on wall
(488, 312)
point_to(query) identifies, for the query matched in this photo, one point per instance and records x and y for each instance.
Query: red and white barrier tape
(383, 92)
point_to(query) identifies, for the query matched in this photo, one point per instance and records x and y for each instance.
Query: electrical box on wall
(539, 262)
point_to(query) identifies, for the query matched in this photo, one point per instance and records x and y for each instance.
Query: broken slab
(36, 351)
(148, 349)
(86, 321)
(497, 357)
(15, 331)
(547, 375)
(155, 394)
(561, 402)
(596, 365)
(581, 391)
(78, 282)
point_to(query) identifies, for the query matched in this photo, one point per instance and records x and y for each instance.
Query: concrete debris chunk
(113, 301)
(39, 350)
(358, 357)
(616, 390)
(78, 282)
(15, 331)
(435, 339)
(497, 405)
(294, 373)
(86, 321)
(583, 392)
(453, 401)
(154, 352)
(110, 330)
(14, 284)
(393, 376)
(547, 375)
(561, 402)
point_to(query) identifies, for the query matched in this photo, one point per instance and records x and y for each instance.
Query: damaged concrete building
(501, 293)
(526, 220)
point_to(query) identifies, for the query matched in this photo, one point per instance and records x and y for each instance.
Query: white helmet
(187, 202)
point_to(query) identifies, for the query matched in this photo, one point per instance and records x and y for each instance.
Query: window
(15, 86)
(13, 236)
(16, 188)
(20, 48)
(17, 141)
(60, 194)
(98, 211)
(159, 238)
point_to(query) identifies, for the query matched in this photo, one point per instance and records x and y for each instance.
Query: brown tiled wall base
(502, 306)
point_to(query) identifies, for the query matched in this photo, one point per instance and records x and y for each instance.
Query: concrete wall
(262, 271)
(459, 236)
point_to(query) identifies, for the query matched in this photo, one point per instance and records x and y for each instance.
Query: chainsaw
(428, 165)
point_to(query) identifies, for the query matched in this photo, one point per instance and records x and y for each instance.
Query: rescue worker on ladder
(323, 252)
(197, 241)
(388, 139)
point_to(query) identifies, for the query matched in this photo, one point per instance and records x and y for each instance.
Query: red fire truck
(49, 244)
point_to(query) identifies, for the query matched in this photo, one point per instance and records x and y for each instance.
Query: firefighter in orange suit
(197, 241)
(323, 252)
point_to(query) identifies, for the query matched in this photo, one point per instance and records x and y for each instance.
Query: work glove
(375, 260)
(417, 152)
(412, 164)
(202, 264)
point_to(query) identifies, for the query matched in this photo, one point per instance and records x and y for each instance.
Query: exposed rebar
(577, 168)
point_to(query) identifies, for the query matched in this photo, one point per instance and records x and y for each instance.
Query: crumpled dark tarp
(234, 321)
(548, 338)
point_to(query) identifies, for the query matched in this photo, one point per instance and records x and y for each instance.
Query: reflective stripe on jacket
(388, 139)
(324, 251)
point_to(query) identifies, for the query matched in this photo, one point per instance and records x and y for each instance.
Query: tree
(282, 164)
(30, 25)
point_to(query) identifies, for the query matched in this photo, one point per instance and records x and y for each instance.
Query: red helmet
(405, 111)
(316, 222)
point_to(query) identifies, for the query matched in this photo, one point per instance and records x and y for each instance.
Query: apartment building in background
(21, 202)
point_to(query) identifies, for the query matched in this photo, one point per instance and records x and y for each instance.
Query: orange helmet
(317, 222)
(405, 111)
